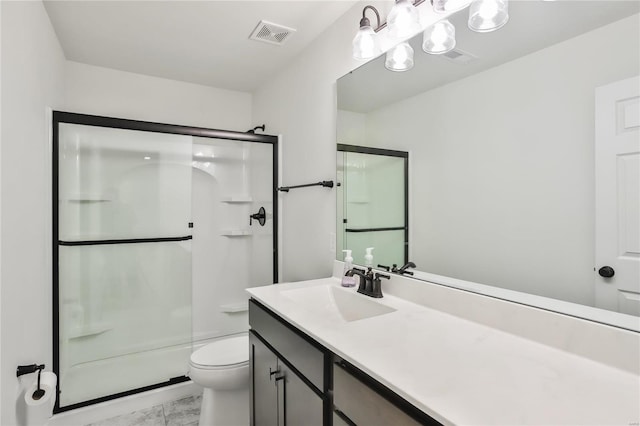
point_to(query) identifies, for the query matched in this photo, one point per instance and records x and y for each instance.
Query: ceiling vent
(269, 32)
(459, 56)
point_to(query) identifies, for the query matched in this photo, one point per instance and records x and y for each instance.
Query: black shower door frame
(145, 126)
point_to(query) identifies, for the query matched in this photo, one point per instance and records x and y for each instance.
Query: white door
(617, 155)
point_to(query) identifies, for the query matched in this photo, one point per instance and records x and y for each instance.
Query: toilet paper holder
(32, 368)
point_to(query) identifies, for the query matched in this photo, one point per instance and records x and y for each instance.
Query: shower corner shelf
(359, 201)
(89, 331)
(235, 233)
(233, 308)
(86, 198)
(237, 199)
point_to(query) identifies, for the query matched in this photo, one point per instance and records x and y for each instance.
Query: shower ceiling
(203, 42)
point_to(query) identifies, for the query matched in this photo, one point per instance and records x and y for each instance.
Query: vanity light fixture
(366, 44)
(403, 20)
(439, 38)
(400, 58)
(488, 15)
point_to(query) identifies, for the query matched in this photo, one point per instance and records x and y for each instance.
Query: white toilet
(222, 368)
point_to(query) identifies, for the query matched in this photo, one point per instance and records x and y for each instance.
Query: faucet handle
(386, 268)
(376, 285)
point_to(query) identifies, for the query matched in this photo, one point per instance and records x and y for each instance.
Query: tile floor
(182, 412)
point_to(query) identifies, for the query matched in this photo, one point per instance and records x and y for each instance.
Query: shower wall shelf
(89, 331)
(236, 199)
(87, 200)
(236, 233)
(86, 197)
(233, 308)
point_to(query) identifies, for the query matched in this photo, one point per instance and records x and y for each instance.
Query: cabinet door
(298, 405)
(264, 392)
(363, 405)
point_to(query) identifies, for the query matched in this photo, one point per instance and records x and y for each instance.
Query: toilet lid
(226, 351)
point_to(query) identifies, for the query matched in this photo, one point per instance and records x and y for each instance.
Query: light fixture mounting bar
(365, 21)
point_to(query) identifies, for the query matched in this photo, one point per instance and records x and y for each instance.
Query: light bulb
(403, 20)
(366, 44)
(439, 38)
(488, 9)
(488, 15)
(400, 58)
(442, 6)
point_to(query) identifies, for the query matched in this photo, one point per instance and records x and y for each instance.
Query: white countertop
(461, 372)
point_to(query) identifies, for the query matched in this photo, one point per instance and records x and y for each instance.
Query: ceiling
(204, 42)
(533, 25)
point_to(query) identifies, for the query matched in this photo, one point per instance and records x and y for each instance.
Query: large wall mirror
(524, 155)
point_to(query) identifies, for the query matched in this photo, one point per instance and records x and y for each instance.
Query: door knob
(606, 272)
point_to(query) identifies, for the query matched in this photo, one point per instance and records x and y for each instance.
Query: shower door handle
(261, 217)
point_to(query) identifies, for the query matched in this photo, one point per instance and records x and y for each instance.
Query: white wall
(505, 165)
(32, 80)
(103, 91)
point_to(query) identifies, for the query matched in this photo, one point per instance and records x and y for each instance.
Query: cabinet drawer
(364, 406)
(305, 357)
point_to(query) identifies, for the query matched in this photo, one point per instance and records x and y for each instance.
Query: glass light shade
(442, 6)
(400, 58)
(366, 44)
(439, 38)
(488, 15)
(403, 20)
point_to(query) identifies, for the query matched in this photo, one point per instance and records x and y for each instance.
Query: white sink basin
(333, 301)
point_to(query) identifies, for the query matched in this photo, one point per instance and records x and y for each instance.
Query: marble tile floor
(182, 412)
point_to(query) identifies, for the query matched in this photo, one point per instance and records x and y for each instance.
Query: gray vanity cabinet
(295, 381)
(288, 383)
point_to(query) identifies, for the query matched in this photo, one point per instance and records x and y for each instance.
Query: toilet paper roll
(38, 411)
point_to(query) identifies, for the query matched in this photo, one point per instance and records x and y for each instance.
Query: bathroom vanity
(322, 354)
(294, 378)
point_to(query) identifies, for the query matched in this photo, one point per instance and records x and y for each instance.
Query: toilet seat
(228, 352)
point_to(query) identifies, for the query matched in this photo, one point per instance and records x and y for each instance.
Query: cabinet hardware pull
(271, 373)
(278, 378)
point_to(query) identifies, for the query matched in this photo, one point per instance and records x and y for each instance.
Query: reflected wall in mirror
(525, 151)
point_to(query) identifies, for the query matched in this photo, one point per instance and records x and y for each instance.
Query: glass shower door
(124, 260)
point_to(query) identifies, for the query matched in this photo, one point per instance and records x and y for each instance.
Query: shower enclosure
(157, 231)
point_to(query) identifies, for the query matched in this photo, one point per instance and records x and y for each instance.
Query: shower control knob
(606, 272)
(261, 217)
